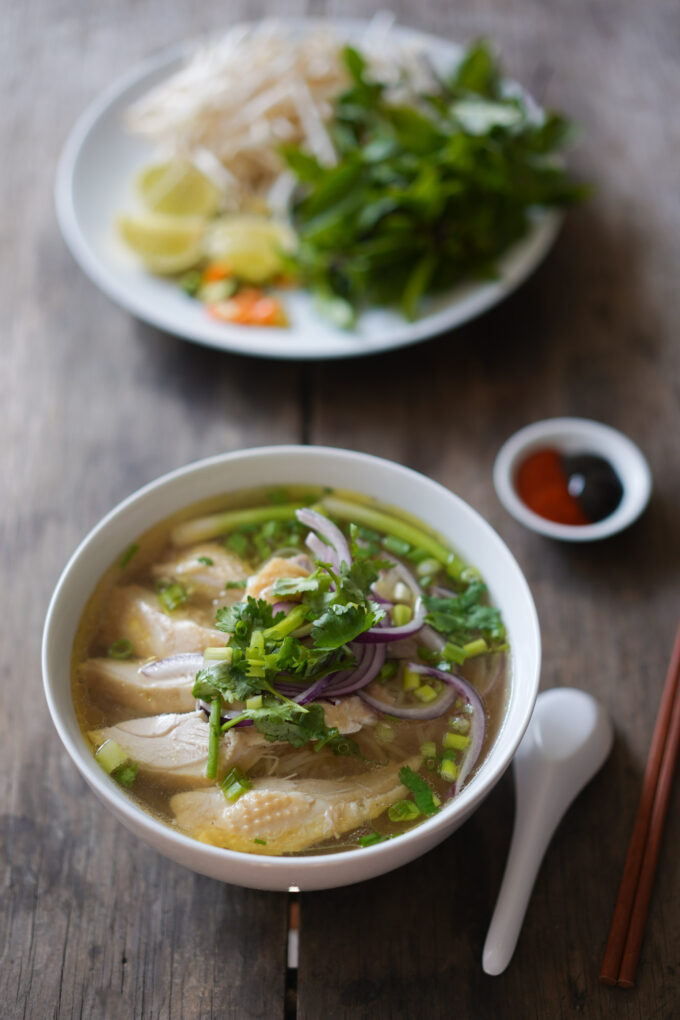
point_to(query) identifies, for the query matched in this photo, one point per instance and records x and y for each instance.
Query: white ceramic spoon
(566, 742)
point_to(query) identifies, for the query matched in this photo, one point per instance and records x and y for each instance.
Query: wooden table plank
(594, 333)
(93, 405)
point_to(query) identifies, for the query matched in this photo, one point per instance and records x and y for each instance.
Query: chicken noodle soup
(291, 672)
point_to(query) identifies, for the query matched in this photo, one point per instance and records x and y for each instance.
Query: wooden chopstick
(625, 937)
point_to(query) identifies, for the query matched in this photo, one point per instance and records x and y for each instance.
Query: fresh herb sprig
(422, 196)
(336, 606)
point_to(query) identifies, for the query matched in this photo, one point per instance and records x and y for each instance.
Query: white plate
(98, 165)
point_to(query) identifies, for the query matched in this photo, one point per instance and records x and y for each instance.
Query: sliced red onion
(328, 530)
(322, 552)
(420, 713)
(377, 597)
(282, 607)
(205, 706)
(313, 692)
(371, 665)
(477, 717)
(174, 666)
(384, 634)
(407, 577)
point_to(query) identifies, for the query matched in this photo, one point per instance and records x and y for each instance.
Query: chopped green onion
(427, 581)
(256, 702)
(454, 653)
(459, 723)
(206, 561)
(428, 749)
(411, 680)
(457, 741)
(218, 653)
(110, 756)
(203, 528)
(260, 842)
(402, 592)
(213, 738)
(425, 693)
(401, 614)
(387, 672)
(231, 585)
(360, 513)
(416, 555)
(429, 566)
(384, 733)
(288, 624)
(396, 545)
(478, 647)
(172, 594)
(120, 649)
(127, 555)
(403, 811)
(448, 770)
(235, 784)
(371, 839)
(126, 774)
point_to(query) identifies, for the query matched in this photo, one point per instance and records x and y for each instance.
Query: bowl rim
(154, 831)
(626, 458)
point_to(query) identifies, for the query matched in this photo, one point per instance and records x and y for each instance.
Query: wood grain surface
(93, 404)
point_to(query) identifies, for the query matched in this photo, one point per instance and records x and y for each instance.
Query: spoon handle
(530, 838)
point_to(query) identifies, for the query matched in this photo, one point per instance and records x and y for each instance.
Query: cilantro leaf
(422, 794)
(290, 723)
(341, 624)
(465, 617)
(244, 616)
(227, 680)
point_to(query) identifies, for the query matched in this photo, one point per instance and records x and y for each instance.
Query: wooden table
(94, 404)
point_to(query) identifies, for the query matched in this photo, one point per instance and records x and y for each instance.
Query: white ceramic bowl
(392, 484)
(571, 436)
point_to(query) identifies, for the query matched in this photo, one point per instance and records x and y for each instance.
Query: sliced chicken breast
(288, 815)
(174, 746)
(207, 568)
(135, 613)
(260, 584)
(142, 694)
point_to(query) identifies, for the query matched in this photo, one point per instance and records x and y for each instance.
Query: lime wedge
(250, 245)
(167, 244)
(178, 188)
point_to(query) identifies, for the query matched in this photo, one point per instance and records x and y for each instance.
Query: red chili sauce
(572, 489)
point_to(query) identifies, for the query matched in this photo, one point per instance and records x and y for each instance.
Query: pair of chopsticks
(625, 938)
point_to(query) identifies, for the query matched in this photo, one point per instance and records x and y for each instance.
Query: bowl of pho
(292, 666)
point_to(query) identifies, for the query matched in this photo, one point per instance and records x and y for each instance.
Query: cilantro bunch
(422, 196)
(302, 646)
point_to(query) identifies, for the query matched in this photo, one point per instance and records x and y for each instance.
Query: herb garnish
(263, 646)
(465, 617)
(426, 195)
(422, 794)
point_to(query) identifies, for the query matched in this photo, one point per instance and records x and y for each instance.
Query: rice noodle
(236, 100)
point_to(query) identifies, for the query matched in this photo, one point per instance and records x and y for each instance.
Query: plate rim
(517, 264)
